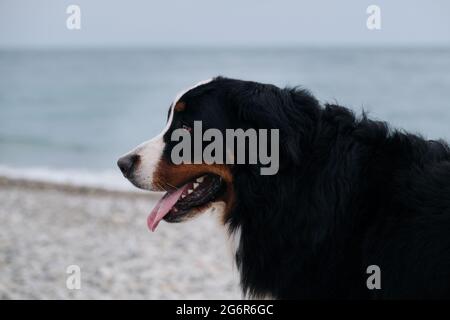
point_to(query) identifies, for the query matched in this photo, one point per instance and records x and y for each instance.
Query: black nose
(127, 164)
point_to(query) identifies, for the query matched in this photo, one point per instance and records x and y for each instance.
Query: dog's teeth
(195, 185)
(183, 196)
(190, 191)
(200, 180)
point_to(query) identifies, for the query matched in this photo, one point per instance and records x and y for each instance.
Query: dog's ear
(262, 106)
(258, 105)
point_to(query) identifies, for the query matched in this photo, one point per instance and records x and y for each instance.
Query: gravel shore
(46, 228)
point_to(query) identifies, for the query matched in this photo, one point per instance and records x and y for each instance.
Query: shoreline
(75, 189)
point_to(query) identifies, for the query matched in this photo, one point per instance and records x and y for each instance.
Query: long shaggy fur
(350, 193)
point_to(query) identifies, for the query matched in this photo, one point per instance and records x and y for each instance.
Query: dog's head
(194, 187)
(191, 188)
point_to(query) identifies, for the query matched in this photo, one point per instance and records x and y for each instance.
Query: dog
(350, 193)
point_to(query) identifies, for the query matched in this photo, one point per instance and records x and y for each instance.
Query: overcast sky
(42, 23)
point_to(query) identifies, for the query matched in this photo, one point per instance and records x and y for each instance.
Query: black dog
(350, 193)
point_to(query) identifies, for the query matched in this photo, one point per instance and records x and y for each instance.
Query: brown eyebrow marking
(180, 106)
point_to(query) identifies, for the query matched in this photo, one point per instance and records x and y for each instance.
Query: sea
(66, 115)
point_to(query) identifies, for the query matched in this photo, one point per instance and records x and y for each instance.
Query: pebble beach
(48, 227)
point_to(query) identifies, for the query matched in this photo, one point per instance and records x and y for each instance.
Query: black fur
(350, 193)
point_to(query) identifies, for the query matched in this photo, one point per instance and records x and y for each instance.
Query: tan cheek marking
(168, 176)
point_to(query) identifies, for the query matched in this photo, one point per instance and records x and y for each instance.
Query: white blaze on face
(150, 152)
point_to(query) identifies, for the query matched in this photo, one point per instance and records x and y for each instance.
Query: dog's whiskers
(171, 185)
(160, 186)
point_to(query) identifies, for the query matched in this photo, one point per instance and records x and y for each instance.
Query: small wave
(76, 177)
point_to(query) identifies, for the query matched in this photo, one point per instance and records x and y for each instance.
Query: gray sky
(41, 23)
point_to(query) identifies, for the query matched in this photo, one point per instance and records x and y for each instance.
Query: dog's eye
(186, 127)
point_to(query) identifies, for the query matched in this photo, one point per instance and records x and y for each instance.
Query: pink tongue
(163, 207)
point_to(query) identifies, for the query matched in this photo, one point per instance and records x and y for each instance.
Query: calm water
(70, 114)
